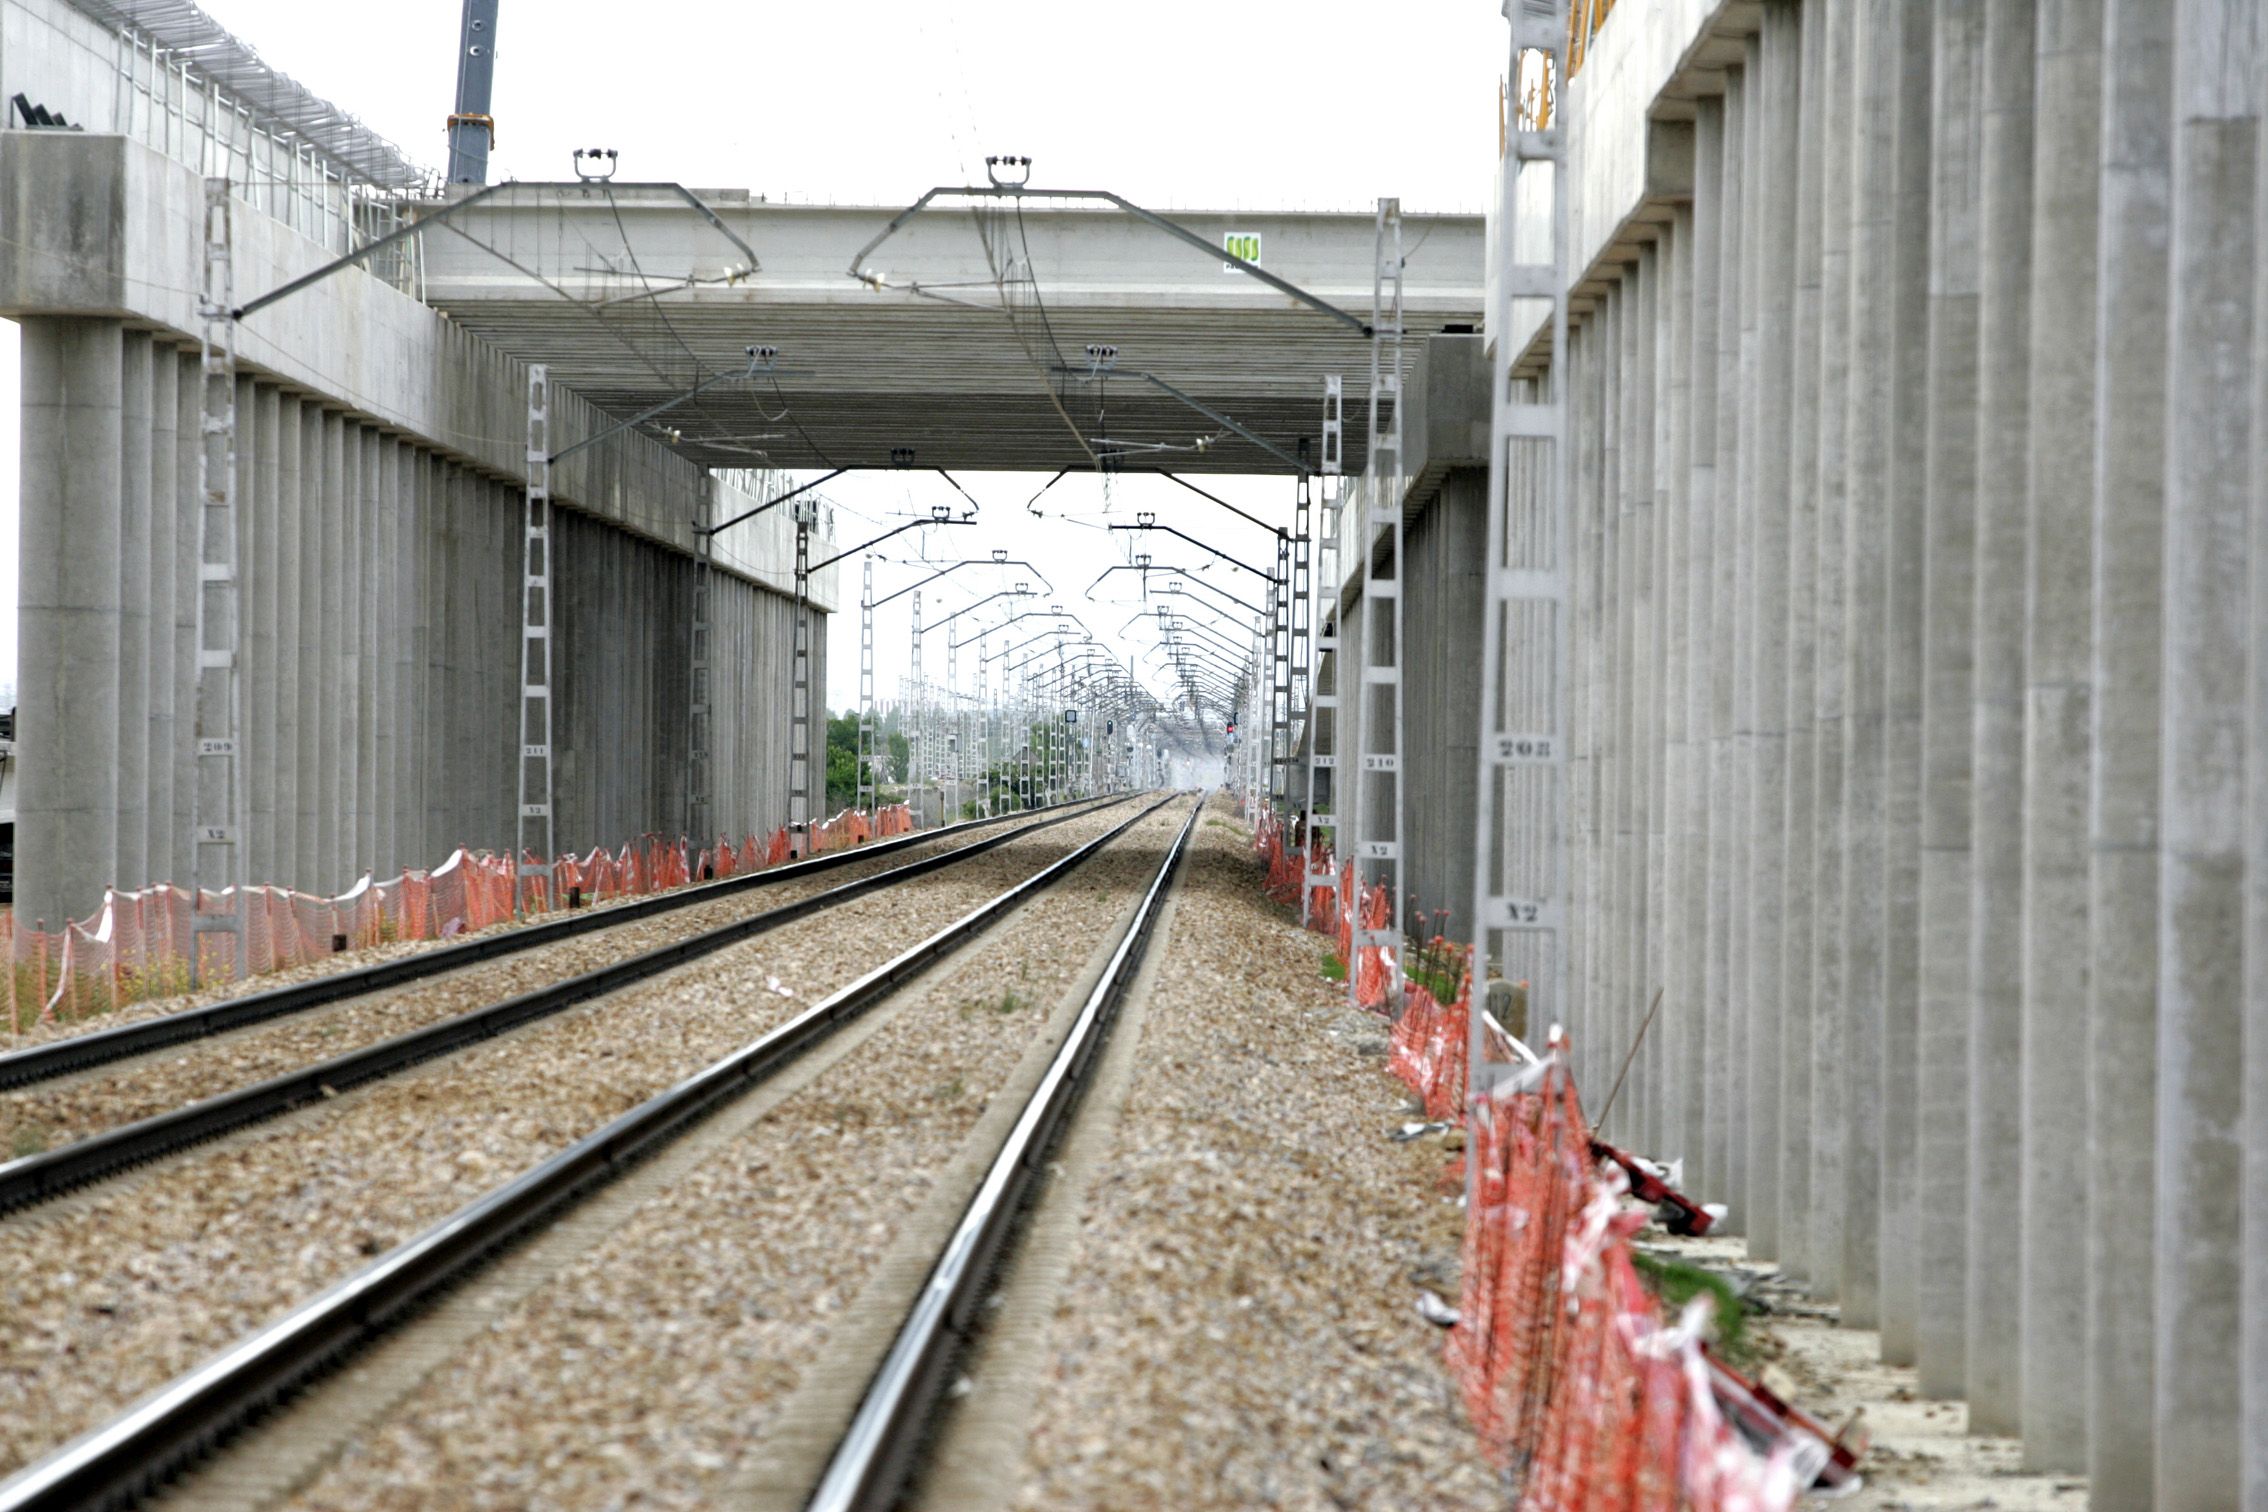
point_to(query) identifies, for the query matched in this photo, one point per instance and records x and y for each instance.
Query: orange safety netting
(1573, 1379)
(137, 944)
(1331, 908)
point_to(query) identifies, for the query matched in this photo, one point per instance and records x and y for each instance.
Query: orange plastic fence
(137, 944)
(1331, 909)
(1573, 1380)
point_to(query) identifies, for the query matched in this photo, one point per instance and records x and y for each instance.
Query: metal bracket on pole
(1519, 858)
(216, 849)
(1375, 788)
(536, 835)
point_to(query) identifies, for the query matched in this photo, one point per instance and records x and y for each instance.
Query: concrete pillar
(1704, 1138)
(283, 690)
(2210, 487)
(1797, 1116)
(335, 756)
(354, 854)
(1996, 1042)
(2058, 730)
(2129, 605)
(385, 682)
(1636, 683)
(447, 666)
(130, 740)
(1611, 1011)
(1866, 545)
(2254, 1245)
(1684, 906)
(1653, 497)
(161, 743)
(1831, 1063)
(1775, 107)
(1736, 436)
(1902, 683)
(409, 662)
(67, 617)
(188, 422)
(313, 498)
(1604, 987)
(1942, 1150)
(1734, 351)
(1592, 359)
(364, 591)
(257, 456)
(1727, 810)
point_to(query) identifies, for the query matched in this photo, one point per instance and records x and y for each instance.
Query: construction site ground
(1921, 1456)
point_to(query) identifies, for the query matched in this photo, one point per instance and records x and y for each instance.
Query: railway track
(80, 1052)
(122, 1460)
(881, 1448)
(36, 1178)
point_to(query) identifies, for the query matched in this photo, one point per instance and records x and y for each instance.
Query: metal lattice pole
(1323, 642)
(868, 797)
(1298, 687)
(1520, 866)
(217, 851)
(1281, 618)
(959, 735)
(1376, 792)
(917, 746)
(800, 754)
(536, 835)
(1026, 737)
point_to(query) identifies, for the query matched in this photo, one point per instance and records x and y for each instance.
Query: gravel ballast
(652, 1365)
(52, 1114)
(370, 955)
(1236, 1326)
(117, 1289)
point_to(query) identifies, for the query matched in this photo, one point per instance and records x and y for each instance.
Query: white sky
(1174, 103)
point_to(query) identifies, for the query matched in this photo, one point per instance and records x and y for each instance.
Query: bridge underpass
(1818, 538)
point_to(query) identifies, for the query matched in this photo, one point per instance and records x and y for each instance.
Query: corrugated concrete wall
(381, 639)
(1921, 720)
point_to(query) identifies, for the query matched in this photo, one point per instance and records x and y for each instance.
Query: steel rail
(872, 1460)
(36, 1178)
(61, 1057)
(123, 1460)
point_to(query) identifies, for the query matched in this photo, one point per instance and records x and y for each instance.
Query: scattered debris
(1650, 1184)
(1435, 1311)
(1823, 1461)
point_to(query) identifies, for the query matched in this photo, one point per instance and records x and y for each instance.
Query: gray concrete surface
(1949, 665)
(379, 453)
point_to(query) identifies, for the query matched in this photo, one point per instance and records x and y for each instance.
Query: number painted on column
(1520, 750)
(1523, 913)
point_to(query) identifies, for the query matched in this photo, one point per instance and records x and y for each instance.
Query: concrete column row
(380, 637)
(1919, 738)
